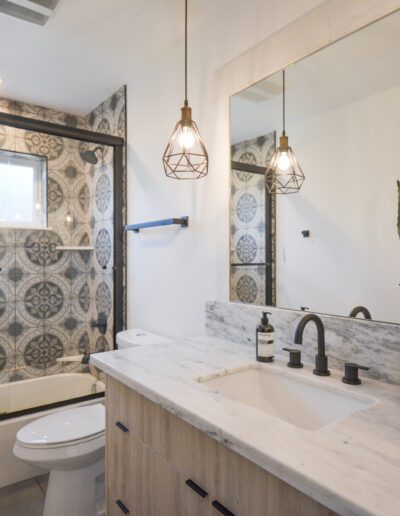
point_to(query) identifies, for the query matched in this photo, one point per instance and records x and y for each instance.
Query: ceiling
(354, 68)
(87, 49)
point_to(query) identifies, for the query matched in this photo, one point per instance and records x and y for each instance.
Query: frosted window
(22, 190)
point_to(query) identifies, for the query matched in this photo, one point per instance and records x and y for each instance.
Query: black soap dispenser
(265, 340)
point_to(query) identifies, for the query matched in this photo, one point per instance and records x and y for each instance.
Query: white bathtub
(28, 394)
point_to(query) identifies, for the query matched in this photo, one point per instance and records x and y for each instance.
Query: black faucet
(360, 310)
(321, 360)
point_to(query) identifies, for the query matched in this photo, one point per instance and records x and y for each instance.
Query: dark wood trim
(248, 167)
(65, 131)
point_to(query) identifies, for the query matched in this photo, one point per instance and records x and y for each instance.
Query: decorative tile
(47, 296)
(55, 148)
(26, 343)
(7, 260)
(104, 247)
(7, 313)
(81, 342)
(25, 283)
(7, 290)
(7, 352)
(248, 247)
(248, 284)
(40, 250)
(7, 237)
(7, 137)
(103, 198)
(104, 295)
(57, 191)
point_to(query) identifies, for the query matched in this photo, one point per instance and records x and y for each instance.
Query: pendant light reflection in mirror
(185, 156)
(284, 174)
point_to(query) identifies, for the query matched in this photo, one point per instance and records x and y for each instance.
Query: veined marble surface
(369, 343)
(352, 466)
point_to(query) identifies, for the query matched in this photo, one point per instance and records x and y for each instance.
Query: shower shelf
(181, 221)
(74, 248)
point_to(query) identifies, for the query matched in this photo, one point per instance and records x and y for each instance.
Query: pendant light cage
(185, 156)
(285, 180)
(284, 174)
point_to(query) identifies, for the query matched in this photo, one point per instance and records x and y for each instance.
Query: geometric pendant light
(185, 156)
(284, 174)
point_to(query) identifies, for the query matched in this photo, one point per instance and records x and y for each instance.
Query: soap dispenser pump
(265, 341)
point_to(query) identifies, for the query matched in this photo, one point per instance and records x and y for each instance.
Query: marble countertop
(352, 466)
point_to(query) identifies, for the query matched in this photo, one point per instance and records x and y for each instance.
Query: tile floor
(25, 498)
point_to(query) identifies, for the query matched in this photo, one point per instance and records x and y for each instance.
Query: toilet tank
(139, 337)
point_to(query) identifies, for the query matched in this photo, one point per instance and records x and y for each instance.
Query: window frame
(40, 167)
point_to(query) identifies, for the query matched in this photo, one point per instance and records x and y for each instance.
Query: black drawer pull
(196, 488)
(123, 507)
(121, 426)
(221, 508)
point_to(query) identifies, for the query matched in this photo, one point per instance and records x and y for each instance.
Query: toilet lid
(65, 426)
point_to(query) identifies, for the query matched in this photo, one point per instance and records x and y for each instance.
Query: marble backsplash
(368, 343)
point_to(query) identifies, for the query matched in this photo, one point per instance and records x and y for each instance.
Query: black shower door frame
(74, 133)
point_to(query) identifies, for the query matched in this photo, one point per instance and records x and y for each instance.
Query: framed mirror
(334, 245)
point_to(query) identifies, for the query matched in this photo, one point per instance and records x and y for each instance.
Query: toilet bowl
(70, 444)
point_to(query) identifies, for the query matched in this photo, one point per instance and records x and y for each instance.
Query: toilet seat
(71, 427)
(70, 444)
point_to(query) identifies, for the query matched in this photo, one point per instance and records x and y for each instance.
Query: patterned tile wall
(247, 234)
(48, 297)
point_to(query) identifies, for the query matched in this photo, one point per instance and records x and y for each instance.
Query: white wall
(172, 272)
(349, 203)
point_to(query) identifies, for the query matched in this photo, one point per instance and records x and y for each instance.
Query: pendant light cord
(284, 100)
(186, 41)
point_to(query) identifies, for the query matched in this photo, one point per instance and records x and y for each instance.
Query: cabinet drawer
(188, 449)
(244, 488)
(165, 491)
(124, 408)
(233, 481)
(124, 473)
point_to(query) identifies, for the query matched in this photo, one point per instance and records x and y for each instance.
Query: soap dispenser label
(266, 344)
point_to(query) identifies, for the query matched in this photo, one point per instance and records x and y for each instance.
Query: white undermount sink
(302, 403)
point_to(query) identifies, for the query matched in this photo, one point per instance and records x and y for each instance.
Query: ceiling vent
(32, 11)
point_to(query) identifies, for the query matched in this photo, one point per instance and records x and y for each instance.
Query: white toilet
(138, 337)
(71, 444)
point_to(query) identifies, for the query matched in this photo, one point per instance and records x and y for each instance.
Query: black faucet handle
(294, 358)
(351, 373)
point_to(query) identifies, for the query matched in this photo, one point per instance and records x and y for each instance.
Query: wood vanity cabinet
(159, 465)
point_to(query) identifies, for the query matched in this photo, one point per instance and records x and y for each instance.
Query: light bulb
(37, 206)
(186, 138)
(283, 161)
(68, 219)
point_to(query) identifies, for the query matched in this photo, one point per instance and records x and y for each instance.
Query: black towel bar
(181, 221)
